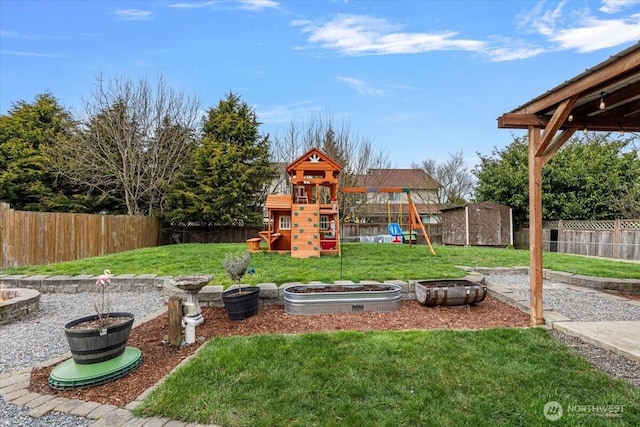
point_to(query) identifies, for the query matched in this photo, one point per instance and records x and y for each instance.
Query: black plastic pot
(243, 305)
(98, 344)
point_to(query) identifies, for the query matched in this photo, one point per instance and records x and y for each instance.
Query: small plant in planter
(240, 302)
(236, 266)
(104, 308)
(101, 336)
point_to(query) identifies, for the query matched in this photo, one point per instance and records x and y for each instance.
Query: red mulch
(159, 358)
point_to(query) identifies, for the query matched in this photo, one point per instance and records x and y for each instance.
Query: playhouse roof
(314, 159)
(278, 201)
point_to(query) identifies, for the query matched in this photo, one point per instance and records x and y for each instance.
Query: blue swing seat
(395, 230)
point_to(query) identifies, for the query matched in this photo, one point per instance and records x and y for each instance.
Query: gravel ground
(16, 416)
(576, 304)
(41, 337)
(607, 361)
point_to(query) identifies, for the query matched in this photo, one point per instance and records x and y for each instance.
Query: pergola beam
(558, 118)
(558, 142)
(520, 120)
(600, 123)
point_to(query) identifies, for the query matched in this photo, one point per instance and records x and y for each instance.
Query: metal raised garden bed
(321, 298)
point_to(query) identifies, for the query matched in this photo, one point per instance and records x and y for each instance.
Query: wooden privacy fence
(195, 233)
(619, 239)
(34, 238)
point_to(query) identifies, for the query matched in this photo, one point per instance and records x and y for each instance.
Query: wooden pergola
(603, 98)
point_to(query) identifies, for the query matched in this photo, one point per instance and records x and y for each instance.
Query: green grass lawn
(360, 261)
(413, 378)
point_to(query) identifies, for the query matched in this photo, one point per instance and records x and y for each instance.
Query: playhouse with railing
(305, 222)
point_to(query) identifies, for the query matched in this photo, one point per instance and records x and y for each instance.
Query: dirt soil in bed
(159, 358)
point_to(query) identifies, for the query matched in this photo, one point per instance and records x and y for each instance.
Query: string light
(570, 118)
(602, 104)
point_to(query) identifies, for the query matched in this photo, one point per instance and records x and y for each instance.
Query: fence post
(175, 321)
(6, 237)
(615, 253)
(3, 236)
(561, 237)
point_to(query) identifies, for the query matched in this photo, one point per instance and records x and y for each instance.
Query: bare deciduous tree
(356, 154)
(456, 179)
(133, 140)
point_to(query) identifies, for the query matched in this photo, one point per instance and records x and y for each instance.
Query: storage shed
(478, 224)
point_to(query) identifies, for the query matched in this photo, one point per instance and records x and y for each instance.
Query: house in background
(380, 207)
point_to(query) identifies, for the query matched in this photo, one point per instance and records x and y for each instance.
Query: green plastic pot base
(70, 374)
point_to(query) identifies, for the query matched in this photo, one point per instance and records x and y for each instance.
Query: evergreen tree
(227, 180)
(28, 180)
(595, 178)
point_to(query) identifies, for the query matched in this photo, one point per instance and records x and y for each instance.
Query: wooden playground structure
(306, 222)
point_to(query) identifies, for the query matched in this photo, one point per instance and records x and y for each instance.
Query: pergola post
(535, 226)
(576, 104)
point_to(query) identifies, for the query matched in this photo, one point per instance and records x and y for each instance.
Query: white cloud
(505, 49)
(133, 14)
(507, 53)
(301, 22)
(599, 34)
(287, 113)
(615, 6)
(364, 35)
(229, 4)
(29, 54)
(361, 87)
(560, 28)
(537, 20)
(195, 5)
(14, 35)
(258, 4)
(580, 29)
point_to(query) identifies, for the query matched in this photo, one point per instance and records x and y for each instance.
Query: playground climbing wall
(305, 231)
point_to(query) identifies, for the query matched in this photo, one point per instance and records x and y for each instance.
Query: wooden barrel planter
(449, 292)
(239, 306)
(96, 344)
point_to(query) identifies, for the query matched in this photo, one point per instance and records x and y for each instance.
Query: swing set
(395, 229)
(302, 223)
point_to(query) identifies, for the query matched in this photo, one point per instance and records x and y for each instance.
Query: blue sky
(420, 79)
